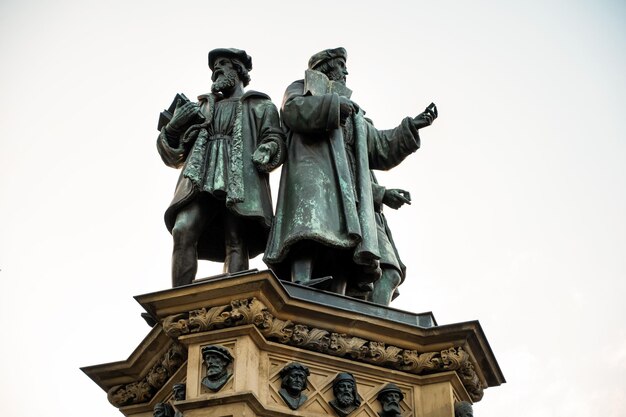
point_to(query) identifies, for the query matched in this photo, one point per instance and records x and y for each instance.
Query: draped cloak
(221, 166)
(321, 199)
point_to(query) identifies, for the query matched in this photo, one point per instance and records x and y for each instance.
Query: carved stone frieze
(252, 311)
(142, 391)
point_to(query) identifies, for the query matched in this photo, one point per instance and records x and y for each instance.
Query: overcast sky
(519, 189)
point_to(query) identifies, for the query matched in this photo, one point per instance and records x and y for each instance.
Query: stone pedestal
(266, 324)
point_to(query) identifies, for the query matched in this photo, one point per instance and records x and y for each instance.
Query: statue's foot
(313, 282)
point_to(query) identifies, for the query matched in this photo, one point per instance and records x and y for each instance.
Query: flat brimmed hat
(217, 350)
(238, 54)
(326, 55)
(294, 366)
(344, 376)
(391, 387)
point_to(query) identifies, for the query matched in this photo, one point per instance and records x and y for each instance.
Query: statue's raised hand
(427, 117)
(396, 198)
(184, 116)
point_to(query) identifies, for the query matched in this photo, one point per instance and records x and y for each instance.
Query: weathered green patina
(325, 208)
(226, 144)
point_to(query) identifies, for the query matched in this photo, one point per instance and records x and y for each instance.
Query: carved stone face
(295, 382)
(215, 366)
(344, 391)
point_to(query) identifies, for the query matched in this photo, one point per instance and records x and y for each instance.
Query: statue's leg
(188, 227)
(385, 286)
(338, 284)
(302, 270)
(235, 244)
(302, 260)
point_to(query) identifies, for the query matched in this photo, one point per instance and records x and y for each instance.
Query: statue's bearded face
(224, 76)
(336, 70)
(344, 391)
(391, 403)
(215, 366)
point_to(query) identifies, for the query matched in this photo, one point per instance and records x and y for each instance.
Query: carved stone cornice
(252, 311)
(143, 390)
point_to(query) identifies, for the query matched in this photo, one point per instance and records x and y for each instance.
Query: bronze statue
(325, 219)
(294, 381)
(390, 397)
(217, 359)
(463, 409)
(179, 392)
(347, 399)
(226, 144)
(393, 270)
(162, 410)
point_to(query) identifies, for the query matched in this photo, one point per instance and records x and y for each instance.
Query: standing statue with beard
(325, 219)
(226, 144)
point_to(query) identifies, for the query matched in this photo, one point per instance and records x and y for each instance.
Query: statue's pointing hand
(264, 153)
(396, 198)
(427, 117)
(184, 115)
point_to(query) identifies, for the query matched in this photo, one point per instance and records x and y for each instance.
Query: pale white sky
(519, 189)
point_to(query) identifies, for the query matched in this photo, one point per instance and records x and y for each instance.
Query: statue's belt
(219, 136)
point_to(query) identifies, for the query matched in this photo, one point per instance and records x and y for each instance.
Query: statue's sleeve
(307, 113)
(388, 148)
(175, 148)
(378, 193)
(171, 150)
(270, 131)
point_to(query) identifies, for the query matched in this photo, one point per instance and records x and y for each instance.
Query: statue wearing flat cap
(294, 381)
(325, 213)
(217, 359)
(390, 397)
(226, 144)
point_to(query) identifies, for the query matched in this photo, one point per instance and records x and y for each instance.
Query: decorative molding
(142, 391)
(253, 311)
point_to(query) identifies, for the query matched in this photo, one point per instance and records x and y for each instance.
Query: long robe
(241, 188)
(320, 199)
(389, 257)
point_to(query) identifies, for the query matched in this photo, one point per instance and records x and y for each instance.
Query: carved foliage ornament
(143, 390)
(252, 311)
